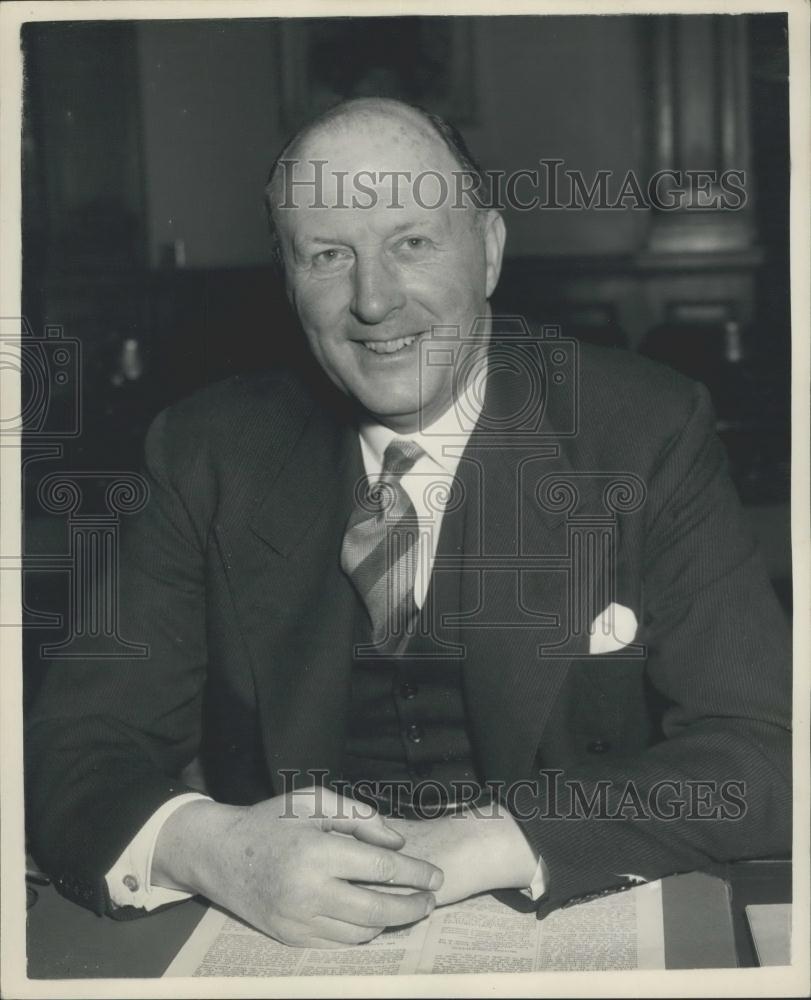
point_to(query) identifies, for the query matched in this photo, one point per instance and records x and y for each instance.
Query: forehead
(379, 142)
(377, 172)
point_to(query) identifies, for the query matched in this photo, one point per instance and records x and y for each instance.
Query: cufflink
(633, 879)
(131, 882)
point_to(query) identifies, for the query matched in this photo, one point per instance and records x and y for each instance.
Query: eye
(414, 244)
(330, 258)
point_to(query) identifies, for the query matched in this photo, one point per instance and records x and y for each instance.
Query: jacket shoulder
(630, 404)
(617, 381)
(226, 406)
(231, 418)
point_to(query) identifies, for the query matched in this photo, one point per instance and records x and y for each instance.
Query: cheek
(320, 308)
(448, 285)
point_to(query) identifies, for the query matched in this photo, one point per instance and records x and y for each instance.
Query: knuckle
(376, 913)
(333, 851)
(309, 849)
(384, 867)
(300, 902)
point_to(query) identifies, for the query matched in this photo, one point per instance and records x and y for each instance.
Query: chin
(390, 404)
(395, 417)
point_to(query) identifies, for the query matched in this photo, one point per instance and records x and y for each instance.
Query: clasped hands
(322, 871)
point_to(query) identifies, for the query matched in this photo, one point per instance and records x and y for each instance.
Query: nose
(377, 290)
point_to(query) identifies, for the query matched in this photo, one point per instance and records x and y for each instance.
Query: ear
(495, 234)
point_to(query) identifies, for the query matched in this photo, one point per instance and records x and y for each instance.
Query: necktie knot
(399, 457)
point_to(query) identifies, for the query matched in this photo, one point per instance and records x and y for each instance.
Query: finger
(363, 823)
(397, 890)
(366, 863)
(322, 943)
(339, 930)
(377, 908)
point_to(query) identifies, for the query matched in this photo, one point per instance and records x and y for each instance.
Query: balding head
(402, 130)
(365, 113)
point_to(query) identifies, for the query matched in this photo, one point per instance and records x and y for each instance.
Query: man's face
(368, 283)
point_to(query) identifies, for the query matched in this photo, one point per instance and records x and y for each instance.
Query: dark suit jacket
(231, 575)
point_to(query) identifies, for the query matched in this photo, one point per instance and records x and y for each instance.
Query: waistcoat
(407, 718)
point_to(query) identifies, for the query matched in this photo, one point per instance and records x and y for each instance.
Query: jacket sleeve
(718, 786)
(108, 737)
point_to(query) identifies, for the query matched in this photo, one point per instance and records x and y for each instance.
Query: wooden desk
(68, 942)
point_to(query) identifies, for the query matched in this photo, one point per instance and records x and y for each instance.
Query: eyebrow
(423, 223)
(401, 228)
(331, 240)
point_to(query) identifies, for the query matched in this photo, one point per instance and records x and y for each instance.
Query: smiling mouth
(389, 346)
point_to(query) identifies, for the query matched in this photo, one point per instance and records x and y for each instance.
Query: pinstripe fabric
(231, 574)
(380, 545)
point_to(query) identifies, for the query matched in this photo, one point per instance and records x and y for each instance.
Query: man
(603, 674)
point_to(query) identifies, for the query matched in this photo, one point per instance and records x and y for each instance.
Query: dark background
(145, 151)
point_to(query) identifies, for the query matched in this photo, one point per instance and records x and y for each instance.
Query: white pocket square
(612, 629)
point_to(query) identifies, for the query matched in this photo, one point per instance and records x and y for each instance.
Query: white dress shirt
(429, 484)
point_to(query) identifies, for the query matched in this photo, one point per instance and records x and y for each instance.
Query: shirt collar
(443, 441)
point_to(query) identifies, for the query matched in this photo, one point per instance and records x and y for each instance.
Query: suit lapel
(295, 605)
(514, 592)
(297, 608)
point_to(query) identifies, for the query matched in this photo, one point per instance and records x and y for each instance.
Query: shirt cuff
(128, 881)
(540, 880)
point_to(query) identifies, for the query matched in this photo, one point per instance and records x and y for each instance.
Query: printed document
(623, 930)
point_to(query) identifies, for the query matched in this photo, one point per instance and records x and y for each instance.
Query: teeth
(389, 346)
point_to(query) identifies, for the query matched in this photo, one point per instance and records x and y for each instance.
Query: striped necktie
(380, 546)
